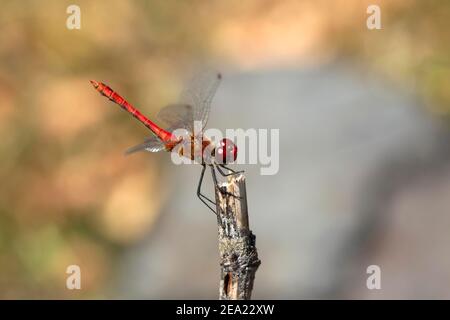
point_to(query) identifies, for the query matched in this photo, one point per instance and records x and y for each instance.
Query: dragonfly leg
(229, 169)
(216, 183)
(201, 196)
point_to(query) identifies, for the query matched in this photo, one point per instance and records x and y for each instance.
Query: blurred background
(364, 147)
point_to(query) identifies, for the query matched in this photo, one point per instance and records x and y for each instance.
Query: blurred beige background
(69, 196)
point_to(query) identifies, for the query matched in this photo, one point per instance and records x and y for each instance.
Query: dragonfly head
(226, 151)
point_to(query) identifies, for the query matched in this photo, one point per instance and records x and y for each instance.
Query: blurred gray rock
(348, 144)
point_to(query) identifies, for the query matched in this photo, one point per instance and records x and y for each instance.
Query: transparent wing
(151, 144)
(177, 116)
(199, 94)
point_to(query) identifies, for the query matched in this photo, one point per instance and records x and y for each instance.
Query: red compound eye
(226, 151)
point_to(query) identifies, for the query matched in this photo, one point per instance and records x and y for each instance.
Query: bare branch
(238, 256)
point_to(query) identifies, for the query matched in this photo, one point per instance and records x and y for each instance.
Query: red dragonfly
(195, 104)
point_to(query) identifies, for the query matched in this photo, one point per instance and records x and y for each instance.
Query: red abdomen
(116, 98)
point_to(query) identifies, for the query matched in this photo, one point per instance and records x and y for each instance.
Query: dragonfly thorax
(205, 151)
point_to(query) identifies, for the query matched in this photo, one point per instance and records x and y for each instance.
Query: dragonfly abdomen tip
(94, 83)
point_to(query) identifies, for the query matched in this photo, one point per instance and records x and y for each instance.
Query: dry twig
(238, 257)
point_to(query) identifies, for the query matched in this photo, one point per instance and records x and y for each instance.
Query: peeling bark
(238, 256)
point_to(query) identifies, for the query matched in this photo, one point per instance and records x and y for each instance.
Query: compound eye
(226, 151)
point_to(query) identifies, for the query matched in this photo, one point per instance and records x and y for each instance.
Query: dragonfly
(193, 108)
